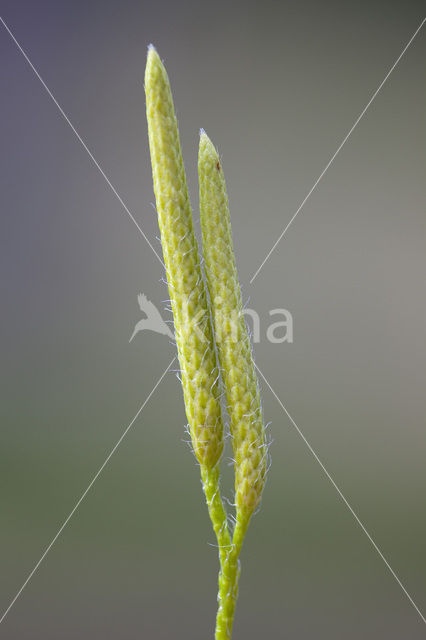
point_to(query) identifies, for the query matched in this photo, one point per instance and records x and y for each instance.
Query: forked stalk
(198, 329)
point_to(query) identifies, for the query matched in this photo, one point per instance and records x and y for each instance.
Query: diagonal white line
(84, 494)
(80, 139)
(315, 455)
(333, 157)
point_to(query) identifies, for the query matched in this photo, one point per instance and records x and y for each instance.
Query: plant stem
(217, 513)
(200, 327)
(228, 554)
(229, 575)
(229, 569)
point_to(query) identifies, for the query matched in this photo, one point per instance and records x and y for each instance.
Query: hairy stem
(217, 513)
(228, 583)
(201, 329)
(229, 551)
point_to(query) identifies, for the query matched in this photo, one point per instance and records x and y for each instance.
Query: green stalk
(193, 331)
(200, 328)
(236, 363)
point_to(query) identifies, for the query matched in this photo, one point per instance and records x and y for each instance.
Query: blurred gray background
(277, 86)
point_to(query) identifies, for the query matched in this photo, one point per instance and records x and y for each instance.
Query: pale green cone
(191, 315)
(194, 333)
(186, 287)
(232, 339)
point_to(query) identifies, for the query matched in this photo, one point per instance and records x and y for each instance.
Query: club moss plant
(213, 345)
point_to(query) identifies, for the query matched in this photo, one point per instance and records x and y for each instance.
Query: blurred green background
(277, 86)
